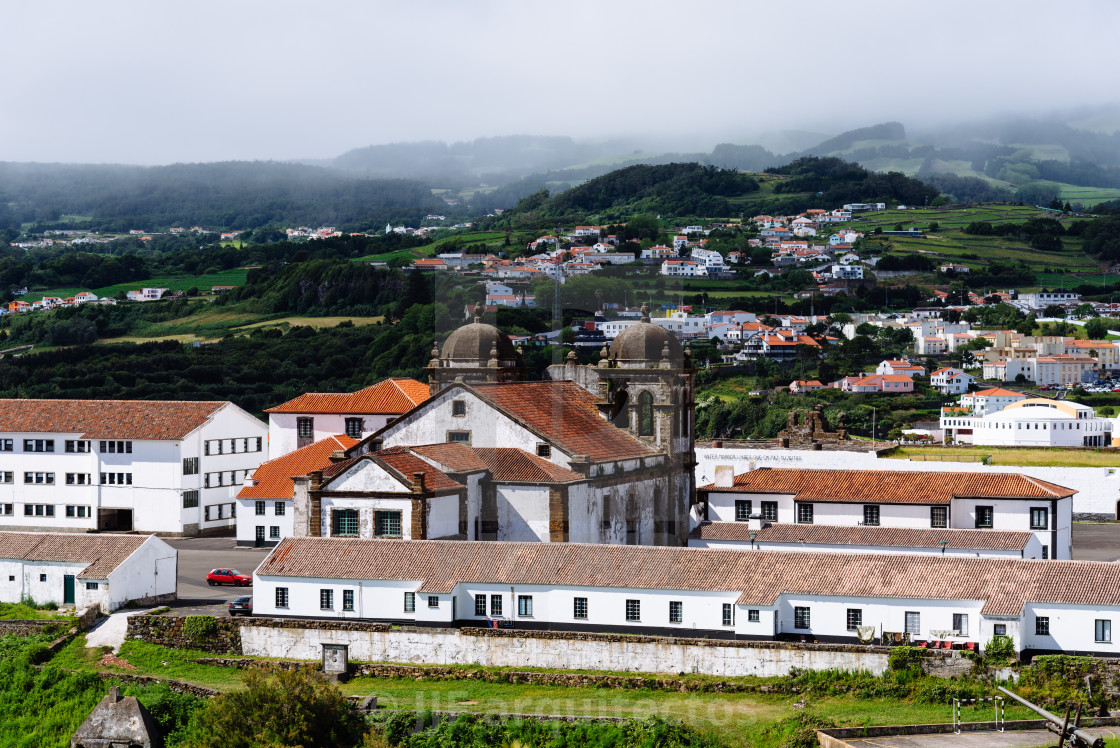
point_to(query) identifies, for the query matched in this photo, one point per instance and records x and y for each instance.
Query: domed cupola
(475, 353)
(644, 345)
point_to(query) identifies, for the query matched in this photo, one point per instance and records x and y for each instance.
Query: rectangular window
(71, 511)
(960, 624)
(281, 597)
(1038, 517)
(74, 446)
(1045, 552)
(913, 623)
(7, 476)
(40, 478)
(348, 599)
(459, 437)
(742, 510)
(326, 599)
(801, 618)
(579, 608)
(354, 428)
(433, 601)
(480, 605)
(544, 450)
(752, 616)
(410, 602)
(728, 614)
(190, 466)
(77, 479)
(871, 515)
(524, 605)
(278, 508)
(258, 506)
(458, 407)
(386, 524)
(345, 522)
(7, 509)
(1042, 626)
(633, 610)
(258, 449)
(91, 585)
(770, 511)
(1103, 629)
(42, 577)
(38, 445)
(6, 445)
(274, 532)
(805, 514)
(190, 499)
(676, 611)
(854, 618)
(495, 605)
(984, 517)
(305, 427)
(206, 513)
(938, 516)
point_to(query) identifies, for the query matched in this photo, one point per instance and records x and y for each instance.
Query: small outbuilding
(117, 722)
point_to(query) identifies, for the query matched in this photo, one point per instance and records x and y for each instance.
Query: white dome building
(1036, 422)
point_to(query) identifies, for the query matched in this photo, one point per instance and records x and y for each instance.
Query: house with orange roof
(887, 384)
(264, 503)
(950, 381)
(900, 366)
(805, 385)
(18, 306)
(991, 400)
(315, 416)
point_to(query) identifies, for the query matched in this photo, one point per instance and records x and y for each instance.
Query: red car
(228, 576)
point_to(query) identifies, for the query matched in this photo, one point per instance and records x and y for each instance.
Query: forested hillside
(232, 195)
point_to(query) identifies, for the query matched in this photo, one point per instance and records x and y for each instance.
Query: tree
(934, 226)
(1054, 310)
(277, 708)
(1096, 329)
(1026, 327)
(1084, 310)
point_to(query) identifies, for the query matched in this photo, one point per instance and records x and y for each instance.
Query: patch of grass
(151, 659)
(24, 612)
(234, 277)
(1027, 457)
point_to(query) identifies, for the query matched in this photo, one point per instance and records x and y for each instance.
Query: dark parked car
(241, 605)
(228, 576)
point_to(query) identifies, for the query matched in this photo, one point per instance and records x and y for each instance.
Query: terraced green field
(203, 283)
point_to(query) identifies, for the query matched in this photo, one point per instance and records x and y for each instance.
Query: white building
(1062, 370)
(86, 570)
(1043, 299)
(146, 294)
(753, 534)
(315, 416)
(682, 268)
(136, 465)
(989, 401)
(1041, 606)
(710, 260)
(887, 498)
(1034, 422)
(950, 381)
(264, 504)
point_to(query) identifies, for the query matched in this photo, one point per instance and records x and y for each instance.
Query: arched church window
(645, 414)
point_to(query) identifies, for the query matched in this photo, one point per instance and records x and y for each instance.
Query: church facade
(595, 454)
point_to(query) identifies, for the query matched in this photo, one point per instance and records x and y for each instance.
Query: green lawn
(1039, 457)
(21, 612)
(490, 238)
(203, 283)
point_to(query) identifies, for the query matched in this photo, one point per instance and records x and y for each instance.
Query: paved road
(197, 556)
(1096, 542)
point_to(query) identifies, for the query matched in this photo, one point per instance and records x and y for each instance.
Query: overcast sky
(155, 82)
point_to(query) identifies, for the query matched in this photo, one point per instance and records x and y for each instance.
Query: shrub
(905, 658)
(199, 628)
(36, 653)
(1000, 650)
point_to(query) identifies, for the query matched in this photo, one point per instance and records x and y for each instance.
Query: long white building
(1056, 606)
(896, 499)
(1032, 422)
(154, 466)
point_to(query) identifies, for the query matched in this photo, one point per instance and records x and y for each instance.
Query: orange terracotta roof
(273, 479)
(455, 458)
(997, 392)
(512, 465)
(565, 414)
(165, 420)
(103, 553)
(398, 461)
(891, 537)
(437, 566)
(890, 486)
(391, 397)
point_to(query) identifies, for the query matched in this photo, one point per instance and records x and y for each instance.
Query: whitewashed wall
(248, 520)
(150, 571)
(1033, 549)
(522, 512)
(282, 428)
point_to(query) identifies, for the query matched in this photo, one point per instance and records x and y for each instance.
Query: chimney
(418, 483)
(754, 522)
(338, 455)
(316, 477)
(725, 476)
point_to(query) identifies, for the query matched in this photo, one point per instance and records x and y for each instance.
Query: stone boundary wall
(177, 686)
(29, 628)
(167, 631)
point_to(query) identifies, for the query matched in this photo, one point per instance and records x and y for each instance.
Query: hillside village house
(950, 381)
(315, 416)
(1043, 606)
(1032, 422)
(895, 499)
(86, 570)
(597, 453)
(264, 504)
(148, 466)
(989, 401)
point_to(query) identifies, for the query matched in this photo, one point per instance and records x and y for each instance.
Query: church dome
(645, 341)
(475, 341)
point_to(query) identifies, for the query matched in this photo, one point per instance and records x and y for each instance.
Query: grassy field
(738, 719)
(214, 323)
(21, 612)
(203, 283)
(489, 238)
(1039, 457)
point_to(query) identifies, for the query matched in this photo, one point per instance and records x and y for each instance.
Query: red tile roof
(273, 479)
(455, 458)
(890, 486)
(392, 397)
(891, 537)
(401, 464)
(167, 420)
(103, 553)
(511, 465)
(759, 578)
(565, 414)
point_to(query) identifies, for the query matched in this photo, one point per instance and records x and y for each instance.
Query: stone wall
(168, 632)
(29, 628)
